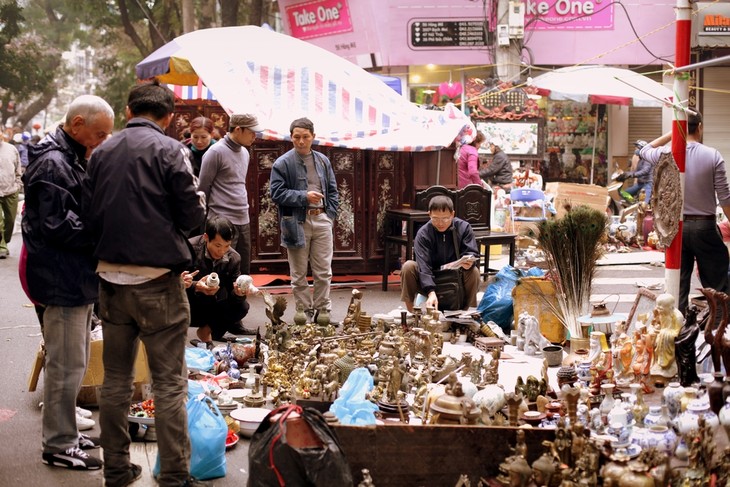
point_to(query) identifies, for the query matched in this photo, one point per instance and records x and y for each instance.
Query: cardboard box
(577, 194)
(536, 296)
(95, 371)
(94, 378)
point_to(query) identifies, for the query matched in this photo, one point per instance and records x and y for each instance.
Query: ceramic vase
(690, 394)
(725, 389)
(662, 438)
(672, 396)
(618, 414)
(654, 417)
(714, 392)
(724, 417)
(628, 406)
(639, 407)
(688, 420)
(608, 402)
(578, 351)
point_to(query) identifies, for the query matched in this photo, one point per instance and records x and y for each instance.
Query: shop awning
(286, 78)
(602, 85)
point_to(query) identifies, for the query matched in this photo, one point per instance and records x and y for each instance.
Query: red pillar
(679, 134)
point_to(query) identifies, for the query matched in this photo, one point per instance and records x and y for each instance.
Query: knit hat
(496, 141)
(26, 136)
(245, 120)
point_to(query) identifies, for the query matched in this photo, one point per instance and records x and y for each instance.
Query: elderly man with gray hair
(60, 271)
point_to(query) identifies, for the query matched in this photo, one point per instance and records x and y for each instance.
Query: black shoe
(74, 458)
(135, 472)
(191, 482)
(87, 442)
(239, 329)
(4, 254)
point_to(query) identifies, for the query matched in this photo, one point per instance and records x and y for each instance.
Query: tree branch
(129, 29)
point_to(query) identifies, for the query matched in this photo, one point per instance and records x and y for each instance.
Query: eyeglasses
(441, 219)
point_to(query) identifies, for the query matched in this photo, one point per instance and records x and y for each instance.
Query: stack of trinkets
(609, 428)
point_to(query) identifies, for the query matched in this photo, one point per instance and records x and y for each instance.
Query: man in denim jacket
(303, 185)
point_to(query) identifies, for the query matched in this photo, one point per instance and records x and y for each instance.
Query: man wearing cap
(642, 170)
(499, 171)
(223, 180)
(21, 143)
(303, 185)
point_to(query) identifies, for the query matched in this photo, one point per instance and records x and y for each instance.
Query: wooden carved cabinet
(365, 181)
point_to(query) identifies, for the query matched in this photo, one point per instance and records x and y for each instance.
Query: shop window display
(572, 130)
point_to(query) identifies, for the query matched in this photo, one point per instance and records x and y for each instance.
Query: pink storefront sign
(568, 15)
(317, 18)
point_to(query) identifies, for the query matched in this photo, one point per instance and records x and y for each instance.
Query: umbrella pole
(595, 134)
(438, 167)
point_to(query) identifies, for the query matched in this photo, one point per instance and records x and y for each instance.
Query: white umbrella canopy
(602, 85)
(279, 78)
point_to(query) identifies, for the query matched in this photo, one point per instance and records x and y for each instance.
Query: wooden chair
(474, 205)
(423, 198)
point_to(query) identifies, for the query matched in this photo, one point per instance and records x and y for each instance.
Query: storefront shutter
(645, 123)
(716, 111)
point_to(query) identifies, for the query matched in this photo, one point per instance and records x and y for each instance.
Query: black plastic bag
(273, 461)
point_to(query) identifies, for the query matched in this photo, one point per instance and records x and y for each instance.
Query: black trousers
(702, 243)
(221, 316)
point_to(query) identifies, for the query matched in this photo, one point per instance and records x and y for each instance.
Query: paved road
(20, 432)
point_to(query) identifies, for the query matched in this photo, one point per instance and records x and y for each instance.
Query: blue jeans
(634, 190)
(66, 336)
(156, 312)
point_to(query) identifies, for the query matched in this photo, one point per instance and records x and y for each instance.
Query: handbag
(450, 290)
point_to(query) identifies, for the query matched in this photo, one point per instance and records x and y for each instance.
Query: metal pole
(595, 134)
(438, 167)
(672, 255)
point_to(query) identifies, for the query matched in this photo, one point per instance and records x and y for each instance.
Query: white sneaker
(84, 413)
(84, 423)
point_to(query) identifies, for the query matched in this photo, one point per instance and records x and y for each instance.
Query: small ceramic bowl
(249, 419)
(533, 418)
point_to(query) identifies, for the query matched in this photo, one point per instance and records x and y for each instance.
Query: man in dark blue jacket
(60, 271)
(435, 245)
(140, 202)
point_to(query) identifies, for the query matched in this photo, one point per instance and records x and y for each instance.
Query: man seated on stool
(434, 247)
(215, 310)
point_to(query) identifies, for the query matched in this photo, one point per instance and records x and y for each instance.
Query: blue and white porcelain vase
(660, 437)
(688, 420)
(672, 396)
(653, 417)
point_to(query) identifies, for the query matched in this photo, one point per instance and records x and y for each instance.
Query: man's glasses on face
(441, 219)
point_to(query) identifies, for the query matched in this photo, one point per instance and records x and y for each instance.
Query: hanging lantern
(449, 91)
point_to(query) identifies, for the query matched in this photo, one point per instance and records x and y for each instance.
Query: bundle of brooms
(572, 245)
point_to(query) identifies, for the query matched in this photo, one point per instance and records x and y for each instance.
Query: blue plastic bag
(496, 304)
(353, 407)
(199, 358)
(208, 431)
